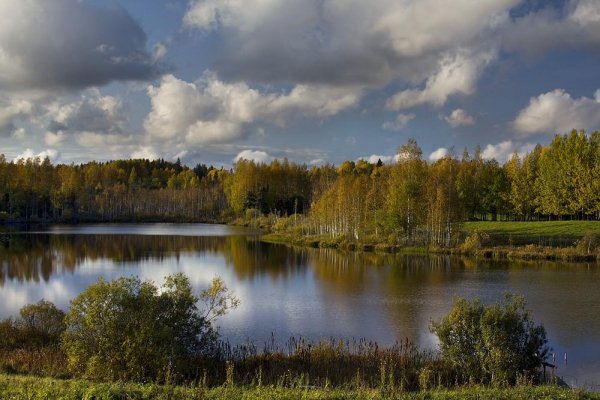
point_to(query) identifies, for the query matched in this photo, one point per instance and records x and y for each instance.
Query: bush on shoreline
(129, 330)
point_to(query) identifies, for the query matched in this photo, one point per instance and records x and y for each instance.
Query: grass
(31, 388)
(327, 242)
(544, 233)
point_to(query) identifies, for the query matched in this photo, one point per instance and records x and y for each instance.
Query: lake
(311, 293)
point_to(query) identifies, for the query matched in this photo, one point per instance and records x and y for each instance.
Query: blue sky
(312, 80)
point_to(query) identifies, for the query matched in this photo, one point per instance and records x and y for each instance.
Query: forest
(413, 200)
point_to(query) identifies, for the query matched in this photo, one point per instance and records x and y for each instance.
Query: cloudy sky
(312, 80)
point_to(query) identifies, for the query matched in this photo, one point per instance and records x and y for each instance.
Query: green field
(31, 388)
(546, 233)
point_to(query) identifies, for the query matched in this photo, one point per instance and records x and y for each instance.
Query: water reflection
(308, 292)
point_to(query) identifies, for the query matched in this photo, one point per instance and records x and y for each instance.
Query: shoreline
(528, 252)
(502, 252)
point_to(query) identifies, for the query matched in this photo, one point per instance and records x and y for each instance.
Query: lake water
(311, 293)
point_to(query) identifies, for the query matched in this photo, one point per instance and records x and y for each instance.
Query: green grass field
(31, 388)
(549, 233)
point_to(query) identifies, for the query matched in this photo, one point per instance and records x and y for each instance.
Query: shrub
(474, 241)
(132, 330)
(492, 344)
(588, 244)
(42, 322)
(39, 325)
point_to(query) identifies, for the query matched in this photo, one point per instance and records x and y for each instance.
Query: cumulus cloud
(416, 43)
(12, 109)
(575, 24)
(374, 158)
(160, 50)
(503, 151)
(102, 141)
(54, 138)
(458, 118)
(213, 111)
(500, 151)
(399, 123)
(438, 154)
(52, 154)
(253, 155)
(557, 112)
(350, 42)
(145, 152)
(91, 112)
(457, 74)
(69, 44)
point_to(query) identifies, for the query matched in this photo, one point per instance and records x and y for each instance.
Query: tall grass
(47, 361)
(297, 363)
(355, 363)
(31, 388)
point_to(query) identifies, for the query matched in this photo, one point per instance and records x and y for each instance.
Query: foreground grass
(548, 233)
(31, 388)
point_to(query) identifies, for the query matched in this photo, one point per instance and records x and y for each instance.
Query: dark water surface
(309, 292)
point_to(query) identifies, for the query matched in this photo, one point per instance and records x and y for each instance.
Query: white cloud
(557, 112)
(145, 152)
(213, 111)
(500, 151)
(457, 74)
(160, 50)
(12, 109)
(91, 112)
(370, 44)
(342, 42)
(253, 155)
(399, 123)
(102, 141)
(374, 158)
(503, 151)
(438, 154)
(52, 154)
(54, 138)
(459, 117)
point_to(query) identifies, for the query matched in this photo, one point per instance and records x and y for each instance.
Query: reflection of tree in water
(36, 257)
(344, 272)
(26, 258)
(563, 296)
(400, 284)
(250, 258)
(416, 286)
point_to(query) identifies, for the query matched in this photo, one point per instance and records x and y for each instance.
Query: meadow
(543, 233)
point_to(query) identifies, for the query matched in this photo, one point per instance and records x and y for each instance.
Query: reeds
(339, 363)
(299, 364)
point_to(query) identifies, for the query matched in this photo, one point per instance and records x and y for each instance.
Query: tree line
(412, 199)
(34, 190)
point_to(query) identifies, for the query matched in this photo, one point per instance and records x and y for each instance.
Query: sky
(213, 81)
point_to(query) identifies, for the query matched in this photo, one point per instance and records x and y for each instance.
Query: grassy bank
(31, 388)
(541, 233)
(546, 240)
(341, 243)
